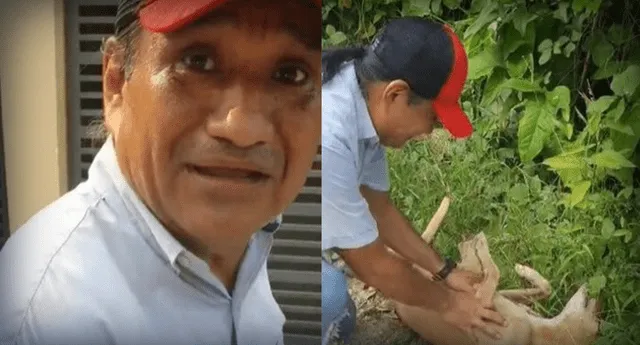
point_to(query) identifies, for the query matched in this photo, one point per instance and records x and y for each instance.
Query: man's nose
(245, 119)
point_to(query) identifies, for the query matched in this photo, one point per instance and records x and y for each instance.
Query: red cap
(171, 15)
(447, 103)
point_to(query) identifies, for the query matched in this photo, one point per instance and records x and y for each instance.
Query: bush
(551, 171)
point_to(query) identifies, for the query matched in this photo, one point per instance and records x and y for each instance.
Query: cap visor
(453, 119)
(171, 15)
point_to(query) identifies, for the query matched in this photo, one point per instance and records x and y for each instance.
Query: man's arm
(394, 276)
(397, 232)
(347, 225)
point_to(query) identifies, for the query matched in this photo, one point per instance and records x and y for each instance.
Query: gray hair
(127, 41)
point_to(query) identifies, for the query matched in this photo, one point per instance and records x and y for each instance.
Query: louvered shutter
(4, 214)
(294, 265)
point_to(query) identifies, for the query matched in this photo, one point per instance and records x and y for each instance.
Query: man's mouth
(228, 173)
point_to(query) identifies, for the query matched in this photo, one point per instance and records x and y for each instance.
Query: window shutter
(294, 264)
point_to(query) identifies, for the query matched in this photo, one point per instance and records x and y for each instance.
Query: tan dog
(577, 324)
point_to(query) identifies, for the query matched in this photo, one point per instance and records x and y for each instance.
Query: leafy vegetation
(551, 172)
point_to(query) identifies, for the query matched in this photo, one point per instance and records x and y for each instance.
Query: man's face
(219, 124)
(402, 118)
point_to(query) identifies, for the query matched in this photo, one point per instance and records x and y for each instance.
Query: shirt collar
(366, 130)
(105, 171)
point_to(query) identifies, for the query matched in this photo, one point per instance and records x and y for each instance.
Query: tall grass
(525, 222)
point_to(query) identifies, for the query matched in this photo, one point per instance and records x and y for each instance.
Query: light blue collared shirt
(351, 156)
(96, 267)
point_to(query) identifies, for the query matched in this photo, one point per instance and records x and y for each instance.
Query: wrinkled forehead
(294, 18)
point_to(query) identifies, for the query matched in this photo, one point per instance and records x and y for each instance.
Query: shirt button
(184, 261)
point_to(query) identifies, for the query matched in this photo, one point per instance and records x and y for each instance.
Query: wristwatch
(449, 265)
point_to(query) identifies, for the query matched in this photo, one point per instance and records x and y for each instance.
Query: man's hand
(462, 280)
(465, 312)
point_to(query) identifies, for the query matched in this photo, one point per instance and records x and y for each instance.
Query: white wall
(32, 78)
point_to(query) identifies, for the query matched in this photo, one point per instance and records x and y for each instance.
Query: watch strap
(449, 266)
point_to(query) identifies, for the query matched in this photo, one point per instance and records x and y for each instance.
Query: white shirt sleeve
(375, 171)
(347, 222)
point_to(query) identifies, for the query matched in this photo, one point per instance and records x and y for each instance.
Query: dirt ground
(376, 321)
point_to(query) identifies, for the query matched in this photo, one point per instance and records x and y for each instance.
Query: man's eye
(291, 75)
(199, 62)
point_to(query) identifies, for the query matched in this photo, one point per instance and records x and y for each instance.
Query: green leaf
(561, 162)
(578, 192)
(511, 40)
(517, 68)
(593, 122)
(436, 7)
(493, 86)
(570, 167)
(628, 235)
(535, 186)
(596, 284)
(568, 130)
(379, 15)
(544, 57)
(626, 83)
(557, 45)
(608, 70)
(414, 8)
(569, 229)
(478, 5)
(521, 19)
(560, 98)
(561, 12)
(600, 105)
(521, 85)
(451, 4)
(576, 35)
(534, 128)
(569, 49)
(590, 5)
(595, 111)
(578, 5)
(625, 142)
(625, 129)
(486, 16)
(329, 29)
(482, 64)
(519, 192)
(625, 193)
(619, 34)
(602, 52)
(337, 38)
(545, 45)
(616, 113)
(611, 160)
(607, 228)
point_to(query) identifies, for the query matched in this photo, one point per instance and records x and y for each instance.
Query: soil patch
(377, 322)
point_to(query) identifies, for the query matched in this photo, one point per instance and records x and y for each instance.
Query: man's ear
(396, 89)
(113, 79)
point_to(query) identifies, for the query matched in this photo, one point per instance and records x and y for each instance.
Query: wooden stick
(430, 232)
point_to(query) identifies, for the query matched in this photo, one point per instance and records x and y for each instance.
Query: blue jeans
(338, 309)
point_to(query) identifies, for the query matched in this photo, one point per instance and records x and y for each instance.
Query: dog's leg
(577, 324)
(529, 310)
(541, 289)
(490, 270)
